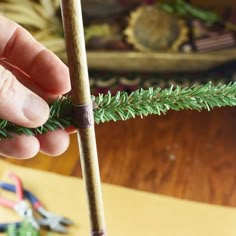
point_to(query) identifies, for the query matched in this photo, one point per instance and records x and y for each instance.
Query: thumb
(20, 105)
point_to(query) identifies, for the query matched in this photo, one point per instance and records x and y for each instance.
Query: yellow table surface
(128, 212)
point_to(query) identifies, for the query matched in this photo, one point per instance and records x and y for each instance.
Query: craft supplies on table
(128, 212)
(49, 220)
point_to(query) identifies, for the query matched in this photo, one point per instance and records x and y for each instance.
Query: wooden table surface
(187, 154)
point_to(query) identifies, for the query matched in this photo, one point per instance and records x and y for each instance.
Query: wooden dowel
(81, 97)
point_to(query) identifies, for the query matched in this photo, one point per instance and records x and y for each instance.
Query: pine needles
(25, 229)
(157, 101)
(141, 103)
(60, 118)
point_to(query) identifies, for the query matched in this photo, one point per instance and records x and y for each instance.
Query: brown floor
(187, 154)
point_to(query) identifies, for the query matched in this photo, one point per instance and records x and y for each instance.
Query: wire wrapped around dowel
(83, 115)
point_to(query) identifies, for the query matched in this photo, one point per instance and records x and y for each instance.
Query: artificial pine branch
(157, 101)
(25, 229)
(141, 103)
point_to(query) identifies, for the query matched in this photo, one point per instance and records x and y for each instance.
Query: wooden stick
(81, 97)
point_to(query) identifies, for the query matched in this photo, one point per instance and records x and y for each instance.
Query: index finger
(20, 48)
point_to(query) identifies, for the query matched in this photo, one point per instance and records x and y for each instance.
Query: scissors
(49, 220)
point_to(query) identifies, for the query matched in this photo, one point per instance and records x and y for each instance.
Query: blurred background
(139, 44)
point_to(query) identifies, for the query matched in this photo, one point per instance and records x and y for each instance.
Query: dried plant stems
(81, 99)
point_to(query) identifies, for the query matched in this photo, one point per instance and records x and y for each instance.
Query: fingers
(54, 143)
(22, 147)
(25, 147)
(21, 49)
(25, 80)
(41, 72)
(20, 105)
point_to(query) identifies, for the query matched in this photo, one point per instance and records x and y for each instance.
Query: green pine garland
(141, 103)
(26, 229)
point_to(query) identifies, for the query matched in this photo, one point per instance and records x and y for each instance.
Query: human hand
(29, 75)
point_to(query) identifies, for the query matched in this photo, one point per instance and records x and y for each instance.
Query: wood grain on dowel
(76, 53)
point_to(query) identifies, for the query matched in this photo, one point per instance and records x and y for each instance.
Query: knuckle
(7, 85)
(16, 36)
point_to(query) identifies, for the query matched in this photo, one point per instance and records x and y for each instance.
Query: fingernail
(36, 109)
